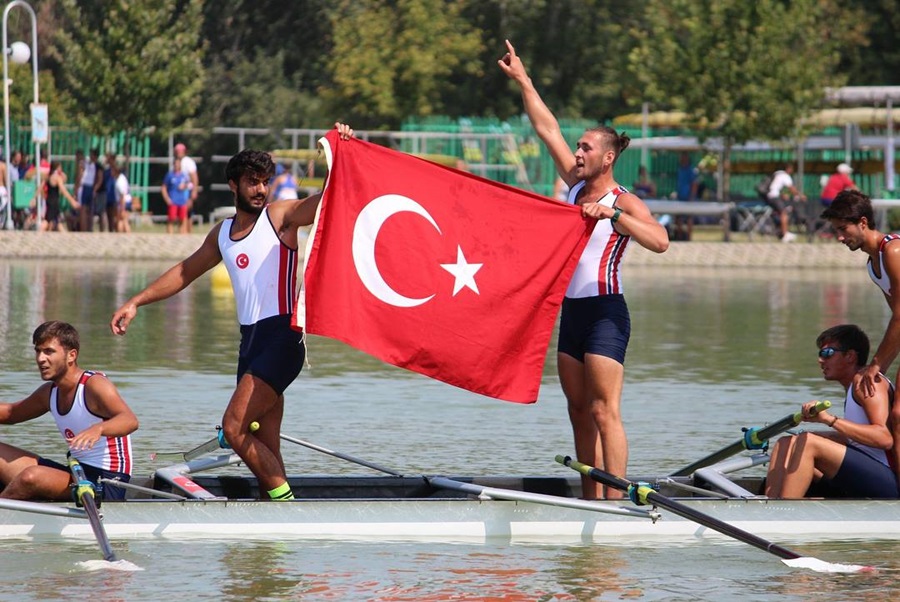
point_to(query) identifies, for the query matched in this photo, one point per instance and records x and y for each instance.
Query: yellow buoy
(220, 278)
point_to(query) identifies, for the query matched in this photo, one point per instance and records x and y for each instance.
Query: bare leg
(604, 380)
(255, 400)
(811, 458)
(25, 479)
(587, 438)
(593, 391)
(38, 483)
(778, 461)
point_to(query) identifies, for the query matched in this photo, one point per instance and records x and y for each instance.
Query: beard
(244, 204)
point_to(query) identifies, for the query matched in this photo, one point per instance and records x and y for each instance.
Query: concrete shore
(147, 246)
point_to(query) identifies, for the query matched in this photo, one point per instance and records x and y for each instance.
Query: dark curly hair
(249, 161)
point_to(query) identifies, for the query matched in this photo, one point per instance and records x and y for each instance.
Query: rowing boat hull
(461, 519)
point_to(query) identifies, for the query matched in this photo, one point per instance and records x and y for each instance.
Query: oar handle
(821, 406)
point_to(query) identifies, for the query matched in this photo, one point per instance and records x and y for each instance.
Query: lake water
(712, 351)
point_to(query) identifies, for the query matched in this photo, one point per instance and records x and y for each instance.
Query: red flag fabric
(437, 270)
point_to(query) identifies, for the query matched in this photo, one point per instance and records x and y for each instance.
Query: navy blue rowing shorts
(861, 475)
(599, 325)
(107, 492)
(272, 351)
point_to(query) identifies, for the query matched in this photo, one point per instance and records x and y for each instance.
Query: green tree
(742, 70)
(131, 64)
(268, 80)
(396, 59)
(575, 51)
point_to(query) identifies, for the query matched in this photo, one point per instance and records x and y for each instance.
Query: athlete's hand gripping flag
(437, 270)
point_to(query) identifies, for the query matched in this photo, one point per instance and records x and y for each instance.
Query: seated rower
(851, 459)
(89, 412)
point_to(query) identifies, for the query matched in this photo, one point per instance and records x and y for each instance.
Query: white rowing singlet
(109, 453)
(263, 271)
(883, 282)
(856, 413)
(597, 272)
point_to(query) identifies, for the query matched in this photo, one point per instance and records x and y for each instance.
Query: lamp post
(19, 52)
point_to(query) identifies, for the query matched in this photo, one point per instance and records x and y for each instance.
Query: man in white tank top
(853, 220)
(89, 412)
(259, 248)
(848, 459)
(595, 325)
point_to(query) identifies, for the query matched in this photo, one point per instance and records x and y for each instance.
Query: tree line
(740, 69)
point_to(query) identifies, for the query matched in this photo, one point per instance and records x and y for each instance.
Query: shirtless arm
(635, 221)
(887, 350)
(172, 281)
(542, 119)
(877, 407)
(103, 399)
(61, 182)
(35, 405)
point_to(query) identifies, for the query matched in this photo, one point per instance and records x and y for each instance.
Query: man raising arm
(595, 326)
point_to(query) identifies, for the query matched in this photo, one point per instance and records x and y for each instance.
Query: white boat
(186, 504)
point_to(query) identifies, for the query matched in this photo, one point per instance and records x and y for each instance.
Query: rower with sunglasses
(851, 458)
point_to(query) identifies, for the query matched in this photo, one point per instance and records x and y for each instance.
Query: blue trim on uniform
(272, 351)
(599, 325)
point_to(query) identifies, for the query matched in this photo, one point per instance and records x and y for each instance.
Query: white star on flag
(463, 271)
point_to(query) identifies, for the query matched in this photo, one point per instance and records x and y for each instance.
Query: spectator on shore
(122, 195)
(55, 217)
(91, 180)
(838, 181)
(283, 186)
(189, 167)
(111, 208)
(644, 187)
(176, 192)
(686, 180)
(782, 198)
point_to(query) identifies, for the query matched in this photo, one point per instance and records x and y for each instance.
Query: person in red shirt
(838, 181)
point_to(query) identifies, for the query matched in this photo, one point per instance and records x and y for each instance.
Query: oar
(340, 455)
(492, 492)
(216, 443)
(536, 498)
(644, 494)
(41, 508)
(756, 437)
(84, 491)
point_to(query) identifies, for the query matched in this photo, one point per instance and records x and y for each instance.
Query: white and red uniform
(597, 272)
(109, 453)
(883, 282)
(263, 271)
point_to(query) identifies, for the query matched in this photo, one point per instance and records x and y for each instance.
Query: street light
(19, 52)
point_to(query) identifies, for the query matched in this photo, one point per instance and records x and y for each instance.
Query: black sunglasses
(826, 352)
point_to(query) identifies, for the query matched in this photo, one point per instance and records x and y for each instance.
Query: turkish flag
(437, 270)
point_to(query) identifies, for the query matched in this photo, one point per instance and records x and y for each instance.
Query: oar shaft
(763, 434)
(84, 490)
(680, 509)
(536, 498)
(340, 455)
